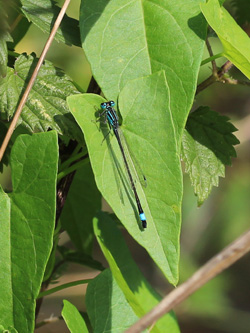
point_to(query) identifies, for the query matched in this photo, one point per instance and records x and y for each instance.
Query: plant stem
(218, 55)
(48, 321)
(210, 51)
(233, 81)
(13, 54)
(63, 286)
(32, 79)
(72, 168)
(215, 77)
(212, 268)
(72, 159)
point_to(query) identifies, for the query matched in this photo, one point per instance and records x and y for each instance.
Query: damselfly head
(104, 105)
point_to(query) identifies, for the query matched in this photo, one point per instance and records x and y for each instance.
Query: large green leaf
(73, 319)
(6, 300)
(27, 224)
(43, 14)
(4, 38)
(235, 41)
(152, 137)
(127, 40)
(83, 201)
(138, 292)
(46, 106)
(107, 307)
(8, 329)
(207, 146)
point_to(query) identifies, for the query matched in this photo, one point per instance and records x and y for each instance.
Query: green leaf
(26, 228)
(79, 258)
(6, 302)
(151, 136)
(49, 271)
(73, 319)
(43, 14)
(10, 329)
(235, 41)
(127, 40)
(62, 286)
(105, 303)
(4, 38)
(207, 146)
(83, 201)
(20, 31)
(3, 130)
(46, 106)
(138, 292)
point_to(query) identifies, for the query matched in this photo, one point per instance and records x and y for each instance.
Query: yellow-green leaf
(235, 41)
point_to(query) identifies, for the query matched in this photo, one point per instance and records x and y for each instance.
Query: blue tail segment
(111, 116)
(143, 220)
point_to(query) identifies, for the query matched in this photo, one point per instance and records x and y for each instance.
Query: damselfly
(112, 118)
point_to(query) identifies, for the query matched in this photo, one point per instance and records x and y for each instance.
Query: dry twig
(212, 268)
(32, 79)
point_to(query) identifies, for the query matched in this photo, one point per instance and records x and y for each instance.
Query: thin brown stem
(211, 79)
(218, 75)
(48, 321)
(15, 23)
(212, 268)
(215, 77)
(209, 48)
(206, 83)
(235, 82)
(62, 192)
(224, 69)
(32, 79)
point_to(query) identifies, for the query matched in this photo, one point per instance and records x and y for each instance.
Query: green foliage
(207, 146)
(235, 41)
(27, 223)
(138, 292)
(163, 172)
(8, 329)
(43, 14)
(76, 217)
(73, 318)
(46, 106)
(112, 298)
(79, 257)
(138, 39)
(146, 56)
(4, 38)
